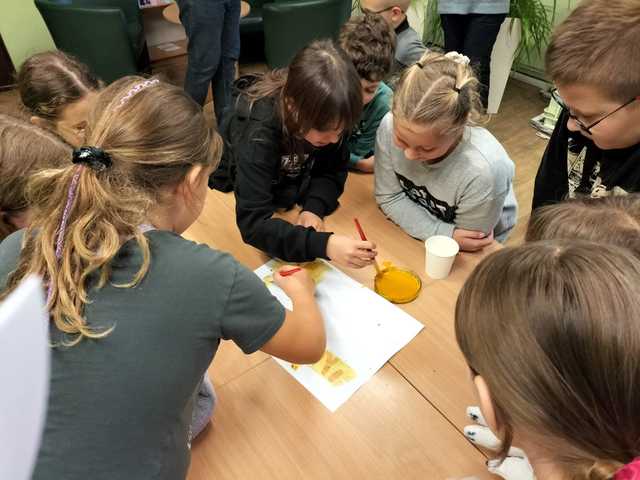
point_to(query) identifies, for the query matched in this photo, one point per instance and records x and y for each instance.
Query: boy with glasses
(409, 47)
(594, 60)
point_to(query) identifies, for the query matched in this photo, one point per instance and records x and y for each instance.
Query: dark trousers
(213, 31)
(473, 35)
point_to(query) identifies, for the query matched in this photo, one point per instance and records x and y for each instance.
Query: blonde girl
(137, 312)
(24, 149)
(437, 172)
(550, 332)
(56, 90)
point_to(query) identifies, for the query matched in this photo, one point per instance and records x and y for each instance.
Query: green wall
(23, 30)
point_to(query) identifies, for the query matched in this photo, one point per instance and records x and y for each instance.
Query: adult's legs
(481, 35)
(455, 30)
(225, 74)
(203, 21)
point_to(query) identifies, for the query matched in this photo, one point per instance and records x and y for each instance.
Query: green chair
(253, 22)
(289, 25)
(132, 16)
(97, 36)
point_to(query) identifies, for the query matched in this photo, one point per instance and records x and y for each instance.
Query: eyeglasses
(586, 128)
(366, 11)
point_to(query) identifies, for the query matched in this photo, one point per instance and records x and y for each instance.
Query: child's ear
(39, 122)
(486, 402)
(194, 177)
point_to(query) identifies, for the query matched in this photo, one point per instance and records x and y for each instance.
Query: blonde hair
(596, 45)
(24, 149)
(613, 219)
(153, 139)
(552, 327)
(438, 91)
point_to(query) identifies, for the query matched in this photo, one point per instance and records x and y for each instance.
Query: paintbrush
(290, 272)
(363, 237)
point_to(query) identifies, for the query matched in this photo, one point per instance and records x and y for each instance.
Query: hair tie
(458, 58)
(456, 89)
(93, 157)
(137, 88)
(420, 64)
(631, 471)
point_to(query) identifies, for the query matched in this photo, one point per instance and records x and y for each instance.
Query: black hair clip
(93, 157)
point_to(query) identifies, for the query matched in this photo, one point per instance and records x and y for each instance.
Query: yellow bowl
(397, 285)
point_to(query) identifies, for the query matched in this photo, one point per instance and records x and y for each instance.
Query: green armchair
(289, 25)
(99, 33)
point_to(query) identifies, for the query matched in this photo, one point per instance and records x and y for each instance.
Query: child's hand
(350, 253)
(472, 240)
(296, 284)
(366, 165)
(308, 219)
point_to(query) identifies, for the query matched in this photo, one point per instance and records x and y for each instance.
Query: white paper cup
(441, 252)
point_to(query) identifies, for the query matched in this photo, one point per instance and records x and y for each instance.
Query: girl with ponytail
(137, 312)
(437, 171)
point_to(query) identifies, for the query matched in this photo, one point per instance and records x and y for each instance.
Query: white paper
(363, 329)
(24, 377)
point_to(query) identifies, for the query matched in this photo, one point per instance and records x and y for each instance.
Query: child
(287, 139)
(131, 343)
(409, 47)
(56, 90)
(597, 73)
(436, 172)
(614, 220)
(543, 327)
(24, 149)
(369, 43)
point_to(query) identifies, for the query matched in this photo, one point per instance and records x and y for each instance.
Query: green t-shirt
(362, 140)
(120, 407)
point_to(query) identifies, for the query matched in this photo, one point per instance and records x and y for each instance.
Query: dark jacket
(265, 176)
(603, 172)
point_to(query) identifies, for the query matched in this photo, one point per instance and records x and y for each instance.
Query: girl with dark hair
(285, 145)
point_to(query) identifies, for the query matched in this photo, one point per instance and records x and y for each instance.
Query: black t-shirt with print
(594, 172)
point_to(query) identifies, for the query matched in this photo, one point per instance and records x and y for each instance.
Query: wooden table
(172, 12)
(404, 423)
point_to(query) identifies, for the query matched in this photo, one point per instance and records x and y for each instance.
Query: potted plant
(525, 31)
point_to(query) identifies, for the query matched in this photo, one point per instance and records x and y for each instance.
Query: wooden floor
(404, 423)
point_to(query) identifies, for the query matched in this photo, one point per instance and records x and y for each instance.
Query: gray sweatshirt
(470, 188)
(409, 47)
(463, 7)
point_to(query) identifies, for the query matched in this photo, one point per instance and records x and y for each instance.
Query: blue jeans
(213, 31)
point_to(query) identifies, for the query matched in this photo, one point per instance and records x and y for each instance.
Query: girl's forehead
(417, 135)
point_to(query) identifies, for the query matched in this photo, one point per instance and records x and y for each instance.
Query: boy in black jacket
(594, 60)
